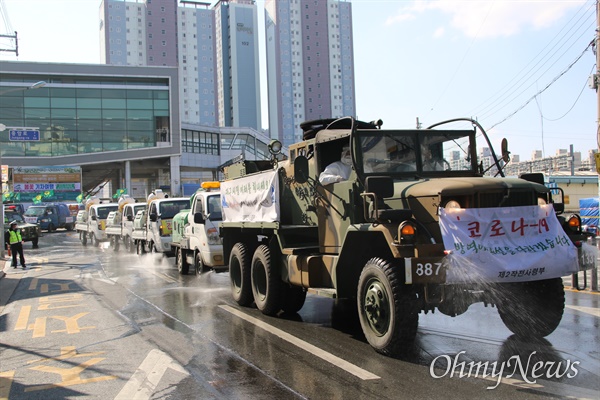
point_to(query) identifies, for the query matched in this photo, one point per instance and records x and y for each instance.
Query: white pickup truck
(153, 235)
(119, 224)
(91, 222)
(195, 236)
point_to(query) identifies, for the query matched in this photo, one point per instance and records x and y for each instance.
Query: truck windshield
(103, 211)
(213, 207)
(35, 211)
(414, 152)
(168, 209)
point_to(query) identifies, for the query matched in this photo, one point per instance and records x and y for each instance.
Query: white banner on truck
(251, 199)
(507, 244)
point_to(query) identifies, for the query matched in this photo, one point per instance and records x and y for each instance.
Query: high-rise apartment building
(238, 72)
(215, 49)
(310, 63)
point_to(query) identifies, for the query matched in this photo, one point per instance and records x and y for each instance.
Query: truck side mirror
(198, 218)
(153, 217)
(382, 186)
(301, 169)
(94, 218)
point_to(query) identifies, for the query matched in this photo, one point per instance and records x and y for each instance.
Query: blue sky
(432, 60)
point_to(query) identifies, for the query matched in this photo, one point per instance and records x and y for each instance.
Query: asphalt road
(86, 321)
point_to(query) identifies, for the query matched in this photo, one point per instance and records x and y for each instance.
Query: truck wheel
(69, 227)
(239, 274)
(266, 284)
(293, 298)
(532, 309)
(34, 242)
(384, 308)
(199, 267)
(93, 240)
(114, 241)
(182, 266)
(140, 247)
(83, 238)
(129, 247)
(51, 227)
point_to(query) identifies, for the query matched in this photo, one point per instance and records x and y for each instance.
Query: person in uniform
(15, 241)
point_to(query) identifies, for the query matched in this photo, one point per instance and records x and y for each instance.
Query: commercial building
(310, 64)
(120, 124)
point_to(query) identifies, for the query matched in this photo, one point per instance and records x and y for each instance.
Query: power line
(525, 72)
(576, 100)
(545, 88)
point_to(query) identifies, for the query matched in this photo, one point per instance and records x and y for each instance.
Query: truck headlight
(452, 204)
(212, 236)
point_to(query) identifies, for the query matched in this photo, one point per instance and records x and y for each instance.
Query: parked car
(29, 232)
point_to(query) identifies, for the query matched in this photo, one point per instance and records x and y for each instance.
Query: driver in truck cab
(337, 171)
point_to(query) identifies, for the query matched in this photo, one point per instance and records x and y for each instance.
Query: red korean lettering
(474, 229)
(497, 229)
(519, 226)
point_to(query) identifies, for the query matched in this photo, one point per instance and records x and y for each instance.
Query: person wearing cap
(15, 241)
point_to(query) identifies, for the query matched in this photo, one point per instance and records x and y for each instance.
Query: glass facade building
(80, 115)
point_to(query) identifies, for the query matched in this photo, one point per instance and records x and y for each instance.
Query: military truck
(119, 224)
(158, 225)
(195, 237)
(399, 236)
(90, 223)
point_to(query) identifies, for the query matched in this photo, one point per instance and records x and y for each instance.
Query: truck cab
(195, 239)
(51, 216)
(161, 211)
(97, 216)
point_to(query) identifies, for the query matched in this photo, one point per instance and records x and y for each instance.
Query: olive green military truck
(417, 226)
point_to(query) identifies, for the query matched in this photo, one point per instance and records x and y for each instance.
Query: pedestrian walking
(15, 241)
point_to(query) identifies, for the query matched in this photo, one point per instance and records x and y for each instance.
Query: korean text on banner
(507, 244)
(251, 199)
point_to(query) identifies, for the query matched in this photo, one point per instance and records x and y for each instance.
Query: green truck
(417, 226)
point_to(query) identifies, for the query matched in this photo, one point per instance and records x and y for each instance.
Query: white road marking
(588, 310)
(314, 350)
(143, 382)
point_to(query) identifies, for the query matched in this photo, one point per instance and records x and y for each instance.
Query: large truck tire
(51, 227)
(239, 275)
(266, 282)
(83, 238)
(532, 309)
(386, 315)
(182, 265)
(34, 242)
(69, 227)
(292, 298)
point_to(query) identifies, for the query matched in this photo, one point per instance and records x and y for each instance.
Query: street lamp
(36, 85)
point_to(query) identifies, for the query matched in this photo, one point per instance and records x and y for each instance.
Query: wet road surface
(220, 350)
